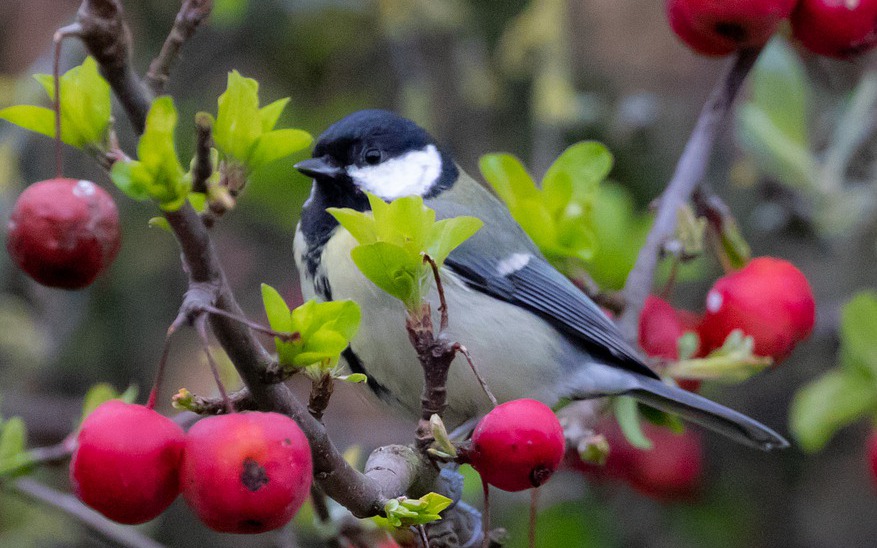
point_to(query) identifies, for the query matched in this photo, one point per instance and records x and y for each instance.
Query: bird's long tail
(706, 413)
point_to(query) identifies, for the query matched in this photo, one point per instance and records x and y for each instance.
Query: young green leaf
(858, 331)
(245, 134)
(158, 174)
(324, 329)
(85, 108)
(393, 239)
(269, 114)
(559, 216)
(405, 512)
(626, 413)
(14, 460)
(837, 399)
(392, 269)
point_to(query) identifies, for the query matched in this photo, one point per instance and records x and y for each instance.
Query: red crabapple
(720, 27)
(126, 463)
(518, 445)
(246, 472)
(836, 28)
(63, 232)
(769, 300)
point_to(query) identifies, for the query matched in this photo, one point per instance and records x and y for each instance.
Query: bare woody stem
(108, 39)
(689, 172)
(189, 18)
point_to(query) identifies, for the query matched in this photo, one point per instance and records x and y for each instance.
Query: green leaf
(405, 512)
(132, 178)
(13, 438)
(96, 395)
(446, 235)
(238, 121)
(580, 168)
(277, 144)
(85, 103)
(158, 174)
(858, 331)
(40, 120)
(353, 378)
(626, 413)
(508, 177)
(772, 125)
(14, 460)
(660, 418)
(324, 330)
(835, 400)
(269, 114)
(360, 225)
(780, 89)
(279, 315)
(390, 267)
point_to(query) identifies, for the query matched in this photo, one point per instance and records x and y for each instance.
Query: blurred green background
(482, 76)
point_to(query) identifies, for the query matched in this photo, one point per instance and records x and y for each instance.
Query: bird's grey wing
(502, 261)
(528, 281)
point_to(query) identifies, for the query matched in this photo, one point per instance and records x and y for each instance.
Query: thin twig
(241, 400)
(534, 506)
(203, 168)
(58, 39)
(119, 534)
(191, 15)
(162, 365)
(485, 515)
(689, 173)
(443, 305)
(201, 327)
(282, 335)
(465, 352)
(424, 538)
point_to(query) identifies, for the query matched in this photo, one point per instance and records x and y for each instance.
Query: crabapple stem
(534, 505)
(201, 327)
(465, 352)
(159, 374)
(485, 516)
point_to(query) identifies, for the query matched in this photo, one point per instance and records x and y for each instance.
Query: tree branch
(689, 173)
(108, 39)
(190, 17)
(119, 534)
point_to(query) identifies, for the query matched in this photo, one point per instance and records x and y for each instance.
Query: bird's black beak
(319, 168)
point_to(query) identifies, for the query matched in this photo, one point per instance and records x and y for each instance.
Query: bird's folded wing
(528, 281)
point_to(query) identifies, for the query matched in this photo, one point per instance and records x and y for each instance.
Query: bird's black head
(379, 152)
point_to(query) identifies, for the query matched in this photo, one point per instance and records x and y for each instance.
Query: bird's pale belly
(513, 350)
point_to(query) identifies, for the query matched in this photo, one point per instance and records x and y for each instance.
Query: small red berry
(660, 326)
(64, 232)
(720, 27)
(671, 470)
(126, 463)
(518, 445)
(246, 472)
(769, 299)
(836, 28)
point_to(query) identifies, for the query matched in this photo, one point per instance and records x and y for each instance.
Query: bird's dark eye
(372, 156)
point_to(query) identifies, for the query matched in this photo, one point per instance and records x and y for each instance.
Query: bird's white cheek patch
(412, 174)
(513, 263)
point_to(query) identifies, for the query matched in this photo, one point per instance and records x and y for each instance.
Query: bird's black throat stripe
(317, 225)
(355, 365)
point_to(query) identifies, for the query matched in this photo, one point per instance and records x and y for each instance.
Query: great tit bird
(530, 330)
